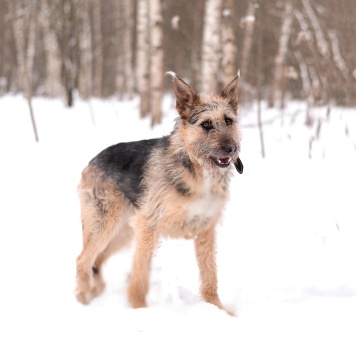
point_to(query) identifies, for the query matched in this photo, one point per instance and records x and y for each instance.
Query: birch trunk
(52, 53)
(261, 27)
(248, 23)
(6, 48)
(322, 44)
(98, 49)
(311, 76)
(196, 39)
(86, 60)
(120, 78)
(128, 10)
(282, 50)
(323, 63)
(229, 43)
(211, 49)
(142, 57)
(156, 69)
(25, 55)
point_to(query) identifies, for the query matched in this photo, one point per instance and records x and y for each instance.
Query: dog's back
(125, 164)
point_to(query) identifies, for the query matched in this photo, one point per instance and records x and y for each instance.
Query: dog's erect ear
(231, 92)
(184, 94)
(239, 166)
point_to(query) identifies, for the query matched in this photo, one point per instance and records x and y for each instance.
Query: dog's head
(208, 125)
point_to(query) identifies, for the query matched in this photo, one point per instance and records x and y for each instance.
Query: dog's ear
(239, 166)
(231, 92)
(184, 94)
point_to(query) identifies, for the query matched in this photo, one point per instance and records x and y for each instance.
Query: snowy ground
(286, 255)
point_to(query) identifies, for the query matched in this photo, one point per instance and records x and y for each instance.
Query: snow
(286, 245)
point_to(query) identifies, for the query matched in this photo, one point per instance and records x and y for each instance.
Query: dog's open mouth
(222, 162)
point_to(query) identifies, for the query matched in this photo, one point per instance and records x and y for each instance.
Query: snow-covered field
(287, 243)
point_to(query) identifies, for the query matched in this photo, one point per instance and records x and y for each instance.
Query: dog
(174, 186)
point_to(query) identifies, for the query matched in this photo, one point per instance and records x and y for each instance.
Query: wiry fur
(173, 186)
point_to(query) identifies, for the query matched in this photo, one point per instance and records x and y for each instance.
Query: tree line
(299, 49)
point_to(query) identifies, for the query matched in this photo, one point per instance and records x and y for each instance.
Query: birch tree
(195, 40)
(156, 68)
(6, 49)
(124, 72)
(229, 42)
(261, 27)
(248, 24)
(52, 83)
(98, 49)
(211, 46)
(142, 57)
(20, 17)
(86, 58)
(279, 61)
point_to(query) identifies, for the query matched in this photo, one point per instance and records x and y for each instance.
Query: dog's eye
(228, 121)
(207, 125)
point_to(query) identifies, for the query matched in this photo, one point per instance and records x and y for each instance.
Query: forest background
(291, 49)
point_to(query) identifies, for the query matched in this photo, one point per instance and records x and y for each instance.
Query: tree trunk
(25, 56)
(142, 57)
(229, 43)
(121, 24)
(211, 48)
(196, 40)
(261, 25)
(53, 65)
(6, 44)
(282, 50)
(86, 59)
(156, 69)
(98, 49)
(124, 71)
(248, 23)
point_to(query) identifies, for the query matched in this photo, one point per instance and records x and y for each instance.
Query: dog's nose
(229, 148)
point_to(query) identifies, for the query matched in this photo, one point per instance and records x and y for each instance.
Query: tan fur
(163, 211)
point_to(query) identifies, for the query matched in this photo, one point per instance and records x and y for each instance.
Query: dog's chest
(206, 205)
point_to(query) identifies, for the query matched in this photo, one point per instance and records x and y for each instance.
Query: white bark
(282, 50)
(53, 64)
(98, 49)
(128, 12)
(337, 56)
(86, 60)
(211, 46)
(142, 57)
(315, 81)
(229, 43)
(321, 42)
(156, 69)
(25, 55)
(124, 72)
(248, 23)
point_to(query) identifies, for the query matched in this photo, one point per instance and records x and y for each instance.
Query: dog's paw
(136, 299)
(230, 313)
(82, 297)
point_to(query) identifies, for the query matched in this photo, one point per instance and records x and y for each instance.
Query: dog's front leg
(205, 254)
(146, 242)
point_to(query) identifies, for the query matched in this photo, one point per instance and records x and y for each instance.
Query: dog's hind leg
(89, 281)
(102, 214)
(119, 241)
